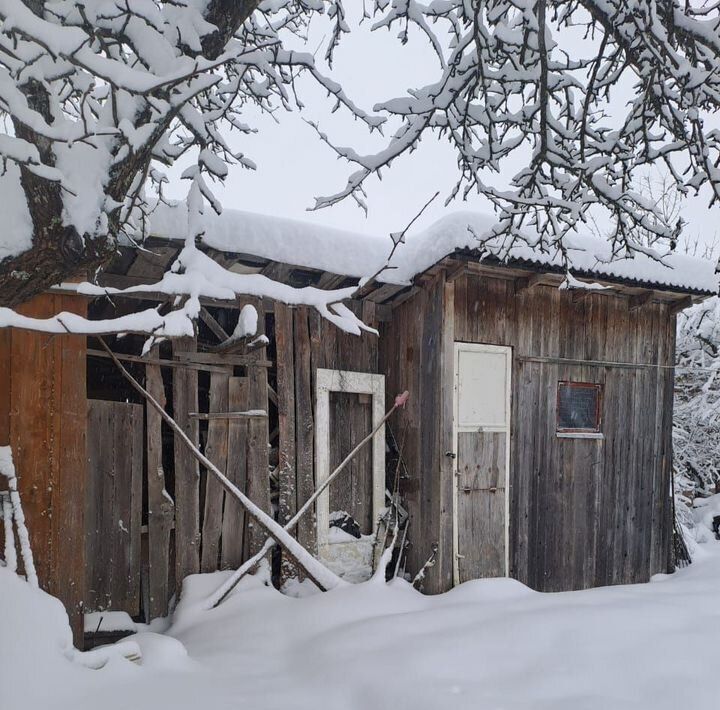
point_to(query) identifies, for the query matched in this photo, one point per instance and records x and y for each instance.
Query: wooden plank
(527, 282)
(680, 305)
(187, 474)
(439, 577)
(123, 357)
(481, 504)
(114, 506)
(233, 521)
(446, 465)
(136, 510)
(350, 421)
(68, 519)
(150, 265)
(258, 477)
(99, 499)
(639, 300)
(285, 401)
(214, 326)
(217, 416)
(304, 427)
(161, 508)
(37, 402)
(216, 450)
(197, 358)
(5, 372)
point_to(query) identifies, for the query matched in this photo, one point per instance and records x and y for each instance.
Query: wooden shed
(536, 443)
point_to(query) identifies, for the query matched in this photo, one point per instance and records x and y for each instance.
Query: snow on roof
(308, 245)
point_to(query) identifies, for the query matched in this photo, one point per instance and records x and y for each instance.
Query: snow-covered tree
(99, 95)
(696, 425)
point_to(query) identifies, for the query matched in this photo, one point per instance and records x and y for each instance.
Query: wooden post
(287, 501)
(304, 428)
(217, 451)
(161, 509)
(187, 473)
(233, 522)
(258, 478)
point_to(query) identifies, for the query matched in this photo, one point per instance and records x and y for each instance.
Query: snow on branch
(547, 83)
(102, 96)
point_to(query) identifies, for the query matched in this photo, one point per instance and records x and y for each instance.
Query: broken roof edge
(305, 245)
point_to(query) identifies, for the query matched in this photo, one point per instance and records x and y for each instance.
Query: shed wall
(583, 512)
(414, 357)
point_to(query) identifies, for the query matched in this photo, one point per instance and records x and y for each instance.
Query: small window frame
(582, 432)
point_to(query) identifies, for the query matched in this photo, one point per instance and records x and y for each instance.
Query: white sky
(294, 166)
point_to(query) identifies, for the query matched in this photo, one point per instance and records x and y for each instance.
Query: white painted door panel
(482, 388)
(481, 448)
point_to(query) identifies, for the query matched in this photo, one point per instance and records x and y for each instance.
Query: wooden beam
(456, 271)
(221, 359)
(158, 361)
(278, 271)
(207, 416)
(528, 282)
(680, 305)
(404, 296)
(214, 326)
(639, 300)
(580, 294)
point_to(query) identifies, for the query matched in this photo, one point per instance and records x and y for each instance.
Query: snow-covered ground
(487, 644)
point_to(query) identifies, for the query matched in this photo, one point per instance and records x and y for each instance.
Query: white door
(482, 456)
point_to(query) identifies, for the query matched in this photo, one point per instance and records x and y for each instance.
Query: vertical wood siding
(113, 506)
(582, 512)
(42, 416)
(305, 343)
(412, 359)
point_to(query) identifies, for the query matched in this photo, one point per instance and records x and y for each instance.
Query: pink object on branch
(402, 399)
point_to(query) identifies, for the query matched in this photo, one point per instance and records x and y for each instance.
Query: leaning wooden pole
(319, 573)
(221, 593)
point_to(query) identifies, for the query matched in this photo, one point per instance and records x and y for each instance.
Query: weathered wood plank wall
(42, 416)
(305, 342)
(113, 506)
(600, 508)
(582, 512)
(412, 358)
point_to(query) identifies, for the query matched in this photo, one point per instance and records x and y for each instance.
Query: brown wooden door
(482, 430)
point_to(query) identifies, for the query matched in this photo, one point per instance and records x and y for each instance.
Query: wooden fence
(153, 514)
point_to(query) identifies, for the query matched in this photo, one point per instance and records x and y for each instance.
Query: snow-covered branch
(586, 94)
(103, 95)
